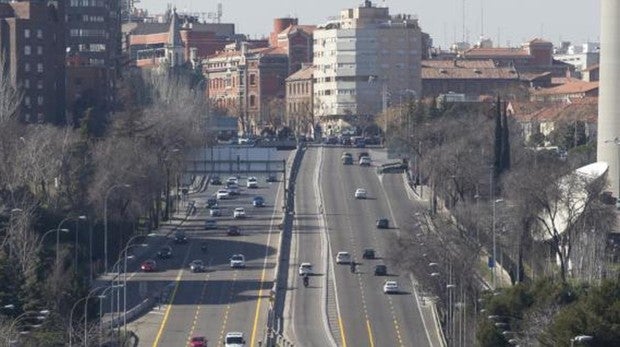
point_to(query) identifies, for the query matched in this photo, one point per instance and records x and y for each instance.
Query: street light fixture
(41, 315)
(105, 222)
(58, 229)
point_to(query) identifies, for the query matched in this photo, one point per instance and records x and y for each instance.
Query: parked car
(222, 194)
(197, 265)
(239, 212)
(165, 252)
(215, 211)
(360, 193)
(237, 261)
(380, 270)
(305, 269)
(383, 223)
(390, 287)
(216, 181)
(198, 341)
(148, 266)
(179, 237)
(258, 201)
(210, 224)
(233, 230)
(369, 253)
(252, 182)
(343, 258)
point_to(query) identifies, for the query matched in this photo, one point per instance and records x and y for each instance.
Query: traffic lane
(356, 328)
(307, 305)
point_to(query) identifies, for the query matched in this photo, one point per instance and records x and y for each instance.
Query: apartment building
(295, 39)
(299, 101)
(32, 42)
(364, 59)
(248, 83)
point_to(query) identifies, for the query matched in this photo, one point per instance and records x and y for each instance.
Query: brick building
(32, 41)
(248, 83)
(299, 101)
(295, 39)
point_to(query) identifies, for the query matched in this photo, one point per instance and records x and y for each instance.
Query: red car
(148, 266)
(198, 341)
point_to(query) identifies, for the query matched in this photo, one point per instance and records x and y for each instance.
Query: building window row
(87, 3)
(92, 47)
(28, 33)
(27, 67)
(88, 33)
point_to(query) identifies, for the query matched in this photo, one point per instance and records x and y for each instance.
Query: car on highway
(361, 155)
(198, 341)
(165, 252)
(234, 339)
(365, 161)
(360, 193)
(380, 270)
(390, 287)
(272, 178)
(211, 202)
(343, 258)
(237, 261)
(215, 211)
(216, 181)
(222, 194)
(179, 237)
(233, 230)
(148, 266)
(233, 189)
(252, 183)
(305, 269)
(368, 253)
(239, 213)
(232, 179)
(210, 224)
(197, 265)
(383, 223)
(258, 201)
(347, 160)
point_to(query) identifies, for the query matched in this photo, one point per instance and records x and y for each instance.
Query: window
(252, 100)
(27, 33)
(39, 33)
(40, 100)
(27, 83)
(39, 84)
(39, 50)
(27, 67)
(27, 50)
(252, 79)
(27, 101)
(40, 67)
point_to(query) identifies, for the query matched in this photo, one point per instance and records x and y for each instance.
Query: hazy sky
(514, 21)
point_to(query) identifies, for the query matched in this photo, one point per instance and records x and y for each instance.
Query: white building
(363, 59)
(581, 57)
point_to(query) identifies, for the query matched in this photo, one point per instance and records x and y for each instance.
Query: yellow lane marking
(168, 309)
(198, 307)
(372, 343)
(260, 294)
(227, 311)
(344, 339)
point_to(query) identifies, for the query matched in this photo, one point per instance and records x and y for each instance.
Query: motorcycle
(204, 248)
(306, 281)
(352, 267)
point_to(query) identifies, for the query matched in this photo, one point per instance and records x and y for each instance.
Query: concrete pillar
(608, 143)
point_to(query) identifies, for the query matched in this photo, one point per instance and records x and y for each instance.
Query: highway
(360, 314)
(222, 299)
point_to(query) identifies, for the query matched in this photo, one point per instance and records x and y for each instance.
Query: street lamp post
(102, 297)
(58, 234)
(105, 222)
(41, 315)
(494, 244)
(88, 296)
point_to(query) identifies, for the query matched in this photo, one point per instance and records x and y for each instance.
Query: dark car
(362, 154)
(179, 237)
(380, 270)
(198, 341)
(258, 201)
(211, 202)
(216, 181)
(148, 266)
(272, 178)
(164, 252)
(383, 223)
(369, 253)
(210, 224)
(233, 230)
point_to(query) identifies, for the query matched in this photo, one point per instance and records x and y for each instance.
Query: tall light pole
(494, 244)
(102, 297)
(58, 235)
(88, 296)
(40, 315)
(105, 222)
(124, 255)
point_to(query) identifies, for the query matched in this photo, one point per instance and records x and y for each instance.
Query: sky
(512, 21)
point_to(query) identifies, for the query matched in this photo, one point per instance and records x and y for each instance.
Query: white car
(237, 261)
(239, 212)
(234, 339)
(222, 194)
(390, 287)
(252, 182)
(232, 180)
(305, 269)
(360, 193)
(215, 211)
(365, 161)
(343, 258)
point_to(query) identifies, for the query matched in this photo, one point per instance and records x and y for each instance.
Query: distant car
(237, 261)
(232, 179)
(234, 339)
(272, 178)
(148, 266)
(179, 237)
(239, 212)
(197, 265)
(258, 201)
(360, 193)
(383, 223)
(347, 160)
(211, 202)
(165, 252)
(215, 211)
(216, 181)
(343, 258)
(369, 253)
(198, 341)
(252, 182)
(346, 154)
(305, 269)
(210, 224)
(222, 194)
(233, 189)
(365, 161)
(361, 155)
(233, 230)
(380, 270)
(390, 287)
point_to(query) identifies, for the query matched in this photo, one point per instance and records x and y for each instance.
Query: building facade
(582, 58)
(363, 59)
(295, 39)
(248, 83)
(299, 101)
(32, 43)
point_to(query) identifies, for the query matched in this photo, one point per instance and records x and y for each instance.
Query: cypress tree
(505, 141)
(497, 163)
